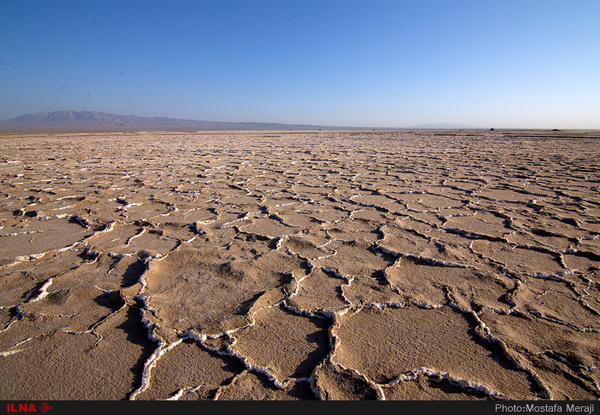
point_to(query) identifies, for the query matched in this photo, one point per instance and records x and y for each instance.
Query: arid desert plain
(271, 265)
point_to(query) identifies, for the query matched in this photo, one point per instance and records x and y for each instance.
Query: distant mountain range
(73, 121)
(69, 121)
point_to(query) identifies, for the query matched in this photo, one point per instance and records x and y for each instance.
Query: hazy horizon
(386, 64)
(27, 121)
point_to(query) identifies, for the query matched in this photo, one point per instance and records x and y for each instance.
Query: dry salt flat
(399, 265)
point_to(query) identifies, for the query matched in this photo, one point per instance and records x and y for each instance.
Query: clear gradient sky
(372, 63)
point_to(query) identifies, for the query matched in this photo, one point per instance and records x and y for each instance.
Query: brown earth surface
(400, 265)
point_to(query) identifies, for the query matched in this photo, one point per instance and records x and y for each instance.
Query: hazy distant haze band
(72, 121)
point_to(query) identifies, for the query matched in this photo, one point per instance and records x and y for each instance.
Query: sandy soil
(300, 265)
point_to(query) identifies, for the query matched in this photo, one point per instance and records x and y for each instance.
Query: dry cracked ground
(300, 265)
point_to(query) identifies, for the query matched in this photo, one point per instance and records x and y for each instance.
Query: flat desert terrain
(334, 265)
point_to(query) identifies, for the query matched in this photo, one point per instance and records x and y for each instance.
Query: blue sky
(372, 63)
